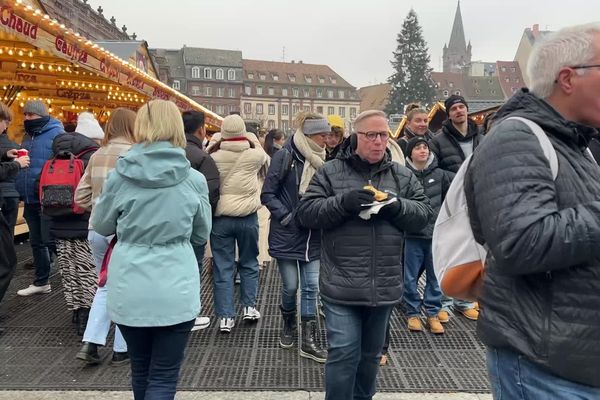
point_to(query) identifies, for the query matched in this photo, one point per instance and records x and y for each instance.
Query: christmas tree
(411, 81)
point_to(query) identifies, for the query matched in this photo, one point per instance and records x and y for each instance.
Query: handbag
(103, 276)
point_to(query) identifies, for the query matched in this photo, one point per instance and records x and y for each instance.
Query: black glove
(353, 200)
(391, 210)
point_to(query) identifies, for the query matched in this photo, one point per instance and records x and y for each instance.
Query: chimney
(536, 30)
(300, 62)
(293, 62)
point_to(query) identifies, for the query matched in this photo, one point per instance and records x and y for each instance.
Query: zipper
(27, 173)
(373, 291)
(308, 244)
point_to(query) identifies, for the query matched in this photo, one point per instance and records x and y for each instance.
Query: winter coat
(202, 162)
(280, 195)
(238, 165)
(39, 145)
(446, 145)
(407, 135)
(7, 186)
(435, 182)
(541, 290)
(157, 205)
(72, 226)
(8, 256)
(361, 260)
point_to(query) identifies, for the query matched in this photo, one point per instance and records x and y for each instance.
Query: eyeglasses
(372, 136)
(585, 66)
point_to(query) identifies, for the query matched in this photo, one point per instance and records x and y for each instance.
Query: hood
(154, 165)
(52, 125)
(527, 105)
(431, 164)
(472, 130)
(72, 142)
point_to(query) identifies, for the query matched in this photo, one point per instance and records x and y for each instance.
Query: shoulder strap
(545, 143)
(84, 152)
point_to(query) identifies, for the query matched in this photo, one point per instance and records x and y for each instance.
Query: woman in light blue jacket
(158, 207)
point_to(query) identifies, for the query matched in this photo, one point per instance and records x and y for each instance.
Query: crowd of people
(347, 218)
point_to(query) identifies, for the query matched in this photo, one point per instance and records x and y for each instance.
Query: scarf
(314, 157)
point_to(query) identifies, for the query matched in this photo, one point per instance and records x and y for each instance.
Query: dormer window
(292, 78)
(308, 78)
(250, 75)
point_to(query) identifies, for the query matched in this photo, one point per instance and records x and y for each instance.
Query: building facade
(274, 92)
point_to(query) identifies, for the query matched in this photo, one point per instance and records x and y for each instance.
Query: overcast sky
(355, 38)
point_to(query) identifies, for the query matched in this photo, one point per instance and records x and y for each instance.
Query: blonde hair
(303, 116)
(120, 124)
(5, 113)
(159, 120)
(368, 114)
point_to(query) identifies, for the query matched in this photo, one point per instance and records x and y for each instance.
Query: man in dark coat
(541, 290)
(10, 202)
(361, 259)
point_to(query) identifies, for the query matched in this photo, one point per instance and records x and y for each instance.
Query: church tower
(457, 55)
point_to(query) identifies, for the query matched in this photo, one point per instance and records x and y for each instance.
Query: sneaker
(434, 325)
(251, 314)
(444, 316)
(89, 353)
(201, 323)
(32, 289)
(119, 358)
(383, 360)
(226, 324)
(415, 324)
(470, 313)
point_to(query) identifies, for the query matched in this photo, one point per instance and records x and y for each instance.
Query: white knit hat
(233, 126)
(88, 126)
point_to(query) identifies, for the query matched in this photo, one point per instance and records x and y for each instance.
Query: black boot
(310, 348)
(286, 340)
(83, 314)
(89, 353)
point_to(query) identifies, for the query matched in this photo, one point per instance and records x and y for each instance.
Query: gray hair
(368, 114)
(568, 47)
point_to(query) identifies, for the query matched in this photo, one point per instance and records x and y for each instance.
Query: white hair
(568, 47)
(368, 114)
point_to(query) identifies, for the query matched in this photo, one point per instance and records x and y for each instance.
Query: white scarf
(314, 157)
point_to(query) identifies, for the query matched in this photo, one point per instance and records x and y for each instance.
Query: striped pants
(74, 259)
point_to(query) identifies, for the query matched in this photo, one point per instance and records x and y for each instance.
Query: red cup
(22, 152)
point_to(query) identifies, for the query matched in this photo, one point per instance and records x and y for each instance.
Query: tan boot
(443, 316)
(434, 325)
(415, 324)
(471, 314)
(476, 305)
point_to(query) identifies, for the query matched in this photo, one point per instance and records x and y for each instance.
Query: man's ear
(565, 80)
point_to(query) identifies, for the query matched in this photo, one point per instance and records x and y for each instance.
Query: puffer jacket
(435, 182)
(39, 145)
(7, 186)
(202, 162)
(541, 291)
(72, 226)
(239, 163)
(446, 145)
(280, 195)
(361, 260)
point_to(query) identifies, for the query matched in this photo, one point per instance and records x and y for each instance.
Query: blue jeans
(418, 258)
(514, 377)
(309, 279)
(156, 355)
(42, 245)
(459, 305)
(99, 322)
(355, 335)
(226, 231)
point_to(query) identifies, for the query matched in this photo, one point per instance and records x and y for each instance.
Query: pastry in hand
(378, 194)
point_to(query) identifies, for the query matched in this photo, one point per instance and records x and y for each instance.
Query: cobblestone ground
(39, 346)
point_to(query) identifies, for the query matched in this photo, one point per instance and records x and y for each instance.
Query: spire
(457, 42)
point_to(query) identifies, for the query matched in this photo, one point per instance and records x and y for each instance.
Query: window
(451, 84)
(342, 112)
(230, 92)
(308, 78)
(248, 90)
(285, 109)
(271, 91)
(477, 91)
(259, 108)
(195, 91)
(262, 77)
(352, 112)
(207, 73)
(196, 72)
(513, 69)
(207, 91)
(330, 110)
(319, 93)
(295, 109)
(247, 108)
(507, 79)
(292, 78)
(176, 85)
(503, 69)
(332, 80)
(275, 77)
(321, 79)
(330, 94)
(220, 92)
(271, 109)
(231, 75)
(250, 75)
(307, 108)
(457, 93)
(220, 74)
(341, 94)
(220, 109)
(493, 91)
(306, 93)
(517, 80)
(271, 124)
(232, 109)
(446, 93)
(295, 92)
(320, 109)
(284, 92)
(259, 90)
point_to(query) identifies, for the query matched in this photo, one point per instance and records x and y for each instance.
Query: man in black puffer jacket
(361, 260)
(541, 291)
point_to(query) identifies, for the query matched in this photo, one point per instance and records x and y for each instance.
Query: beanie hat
(233, 126)
(314, 126)
(88, 126)
(412, 143)
(36, 107)
(335, 120)
(452, 100)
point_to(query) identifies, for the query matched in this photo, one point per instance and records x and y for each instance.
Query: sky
(355, 38)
